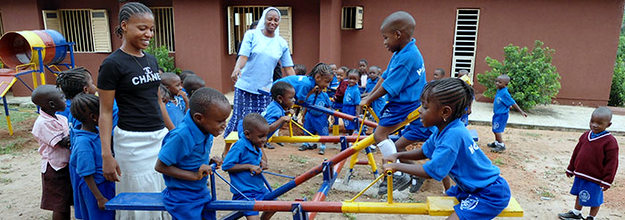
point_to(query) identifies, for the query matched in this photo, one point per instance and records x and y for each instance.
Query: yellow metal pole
(34, 75)
(9, 125)
(385, 208)
(389, 186)
(371, 161)
(367, 188)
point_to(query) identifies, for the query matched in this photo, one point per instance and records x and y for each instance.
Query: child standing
(176, 115)
(340, 89)
(299, 69)
(91, 190)
(594, 163)
(374, 77)
(52, 134)
(283, 95)
(174, 85)
(317, 80)
(183, 160)
(351, 100)
(479, 188)
(192, 83)
(244, 162)
(439, 73)
(501, 108)
(315, 121)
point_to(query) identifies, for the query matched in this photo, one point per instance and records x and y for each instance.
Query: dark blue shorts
(416, 132)
(89, 204)
(499, 122)
(394, 113)
(254, 196)
(588, 193)
(317, 124)
(350, 110)
(188, 204)
(483, 204)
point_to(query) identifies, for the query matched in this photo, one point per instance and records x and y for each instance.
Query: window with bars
(241, 17)
(164, 27)
(351, 18)
(87, 28)
(465, 41)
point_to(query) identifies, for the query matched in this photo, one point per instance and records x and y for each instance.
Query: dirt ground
(533, 165)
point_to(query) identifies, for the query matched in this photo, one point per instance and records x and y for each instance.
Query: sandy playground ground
(533, 165)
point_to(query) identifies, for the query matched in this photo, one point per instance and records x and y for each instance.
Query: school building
(456, 34)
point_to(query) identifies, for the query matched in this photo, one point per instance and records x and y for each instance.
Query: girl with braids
(317, 80)
(91, 190)
(482, 192)
(130, 77)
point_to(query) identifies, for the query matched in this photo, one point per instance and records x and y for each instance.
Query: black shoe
(303, 147)
(401, 182)
(383, 187)
(415, 184)
(269, 146)
(590, 218)
(312, 147)
(281, 144)
(491, 145)
(570, 215)
(499, 148)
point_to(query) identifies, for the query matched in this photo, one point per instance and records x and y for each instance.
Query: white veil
(261, 21)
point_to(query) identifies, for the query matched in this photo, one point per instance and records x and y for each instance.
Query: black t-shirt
(135, 81)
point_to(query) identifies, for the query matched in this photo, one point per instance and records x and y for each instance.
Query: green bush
(165, 61)
(617, 91)
(534, 80)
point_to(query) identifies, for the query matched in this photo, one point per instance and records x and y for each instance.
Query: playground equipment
(33, 52)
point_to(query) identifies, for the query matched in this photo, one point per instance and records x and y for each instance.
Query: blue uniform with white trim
(351, 100)
(404, 80)
(378, 104)
(86, 160)
(251, 185)
(176, 115)
(186, 147)
(315, 121)
(272, 113)
(301, 84)
(501, 108)
(482, 193)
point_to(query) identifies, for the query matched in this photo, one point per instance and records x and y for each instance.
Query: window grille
(87, 28)
(351, 18)
(164, 27)
(465, 41)
(241, 17)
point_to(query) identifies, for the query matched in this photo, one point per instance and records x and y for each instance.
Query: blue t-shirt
(335, 83)
(272, 113)
(404, 78)
(453, 152)
(186, 147)
(503, 101)
(180, 103)
(352, 96)
(86, 155)
(75, 124)
(263, 54)
(243, 152)
(371, 84)
(322, 99)
(176, 115)
(302, 85)
(66, 112)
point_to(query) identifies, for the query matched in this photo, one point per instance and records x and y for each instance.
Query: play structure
(330, 168)
(31, 52)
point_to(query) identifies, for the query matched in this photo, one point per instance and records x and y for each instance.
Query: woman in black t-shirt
(131, 77)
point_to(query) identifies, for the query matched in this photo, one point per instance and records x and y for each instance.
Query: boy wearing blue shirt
(501, 108)
(176, 115)
(374, 77)
(244, 162)
(316, 122)
(351, 100)
(173, 83)
(184, 157)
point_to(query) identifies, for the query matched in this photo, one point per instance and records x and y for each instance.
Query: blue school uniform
(333, 86)
(315, 121)
(186, 147)
(251, 185)
(86, 160)
(301, 84)
(501, 109)
(378, 104)
(75, 124)
(272, 113)
(180, 103)
(351, 100)
(175, 114)
(482, 193)
(404, 80)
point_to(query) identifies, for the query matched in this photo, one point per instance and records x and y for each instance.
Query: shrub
(161, 54)
(534, 80)
(617, 91)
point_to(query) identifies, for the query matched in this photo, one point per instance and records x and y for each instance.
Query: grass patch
(498, 162)
(10, 146)
(544, 192)
(350, 216)
(298, 159)
(17, 115)
(5, 180)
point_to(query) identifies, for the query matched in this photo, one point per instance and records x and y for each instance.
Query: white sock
(387, 148)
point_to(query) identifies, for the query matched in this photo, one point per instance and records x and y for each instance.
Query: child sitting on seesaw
(594, 163)
(184, 157)
(479, 188)
(52, 134)
(91, 190)
(317, 80)
(244, 162)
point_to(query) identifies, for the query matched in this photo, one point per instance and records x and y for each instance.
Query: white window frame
(96, 39)
(463, 56)
(351, 17)
(239, 23)
(164, 27)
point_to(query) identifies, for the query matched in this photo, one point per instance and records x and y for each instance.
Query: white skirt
(136, 153)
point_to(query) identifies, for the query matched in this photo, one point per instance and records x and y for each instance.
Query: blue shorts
(394, 113)
(89, 204)
(588, 193)
(254, 196)
(416, 132)
(482, 204)
(350, 110)
(317, 124)
(499, 122)
(188, 204)
(337, 106)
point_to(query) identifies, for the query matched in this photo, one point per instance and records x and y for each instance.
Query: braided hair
(452, 92)
(83, 105)
(73, 81)
(128, 10)
(322, 69)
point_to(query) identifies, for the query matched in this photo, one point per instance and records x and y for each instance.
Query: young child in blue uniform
(594, 164)
(372, 80)
(479, 188)
(192, 83)
(351, 100)
(501, 108)
(176, 115)
(316, 122)
(91, 189)
(178, 96)
(317, 80)
(184, 157)
(244, 162)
